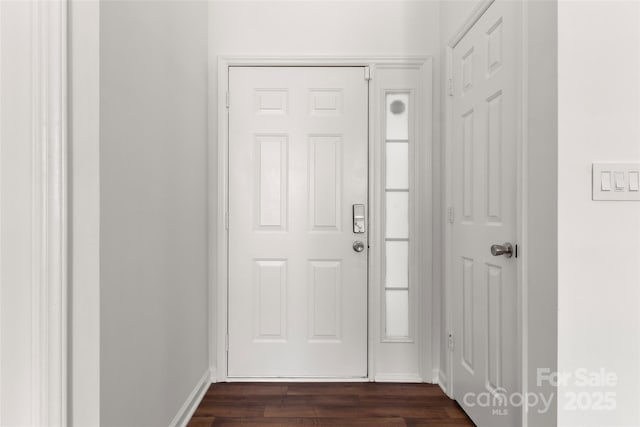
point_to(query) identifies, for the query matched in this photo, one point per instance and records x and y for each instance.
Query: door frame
(47, 328)
(446, 379)
(218, 233)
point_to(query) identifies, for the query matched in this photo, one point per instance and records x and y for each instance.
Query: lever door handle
(505, 249)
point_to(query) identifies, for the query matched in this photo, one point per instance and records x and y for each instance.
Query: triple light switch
(616, 181)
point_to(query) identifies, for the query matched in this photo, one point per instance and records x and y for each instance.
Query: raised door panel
(325, 182)
(325, 300)
(271, 152)
(270, 300)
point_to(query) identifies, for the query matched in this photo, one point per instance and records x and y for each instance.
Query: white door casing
(297, 163)
(485, 293)
(33, 213)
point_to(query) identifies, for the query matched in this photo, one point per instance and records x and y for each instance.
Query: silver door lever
(505, 249)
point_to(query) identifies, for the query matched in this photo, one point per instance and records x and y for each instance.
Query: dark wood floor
(327, 404)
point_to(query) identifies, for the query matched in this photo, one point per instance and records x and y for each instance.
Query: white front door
(485, 135)
(297, 165)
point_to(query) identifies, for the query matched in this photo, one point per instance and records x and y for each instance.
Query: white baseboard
(398, 378)
(214, 374)
(191, 404)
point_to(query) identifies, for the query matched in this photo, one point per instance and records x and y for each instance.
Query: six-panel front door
(297, 165)
(485, 105)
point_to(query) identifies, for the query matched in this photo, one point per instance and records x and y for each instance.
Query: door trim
(218, 233)
(446, 379)
(44, 400)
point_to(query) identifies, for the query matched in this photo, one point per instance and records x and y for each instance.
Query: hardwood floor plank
(334, 422)
(383, 411)
(201, 421)
(327, 404)
(319, 389)
(431, 401)
(326, 399)
(455, 412)
(439, 423)
(254, 389)
(289, 411)
(235, 399)
(230, 410)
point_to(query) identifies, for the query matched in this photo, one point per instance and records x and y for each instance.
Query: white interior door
(298, 164)
(485, 72)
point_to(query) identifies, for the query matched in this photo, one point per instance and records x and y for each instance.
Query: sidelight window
(397, 202)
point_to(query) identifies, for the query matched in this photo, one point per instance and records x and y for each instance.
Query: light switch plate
(616, 181)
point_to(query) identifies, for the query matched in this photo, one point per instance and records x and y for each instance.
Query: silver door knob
(358, 246)
(505, 249)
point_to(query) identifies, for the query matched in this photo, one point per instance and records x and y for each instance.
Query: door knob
(505, 249)
(358, 246)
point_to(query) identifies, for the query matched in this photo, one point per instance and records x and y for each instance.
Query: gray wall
(598, 242)
(541, 236)
(153, 197)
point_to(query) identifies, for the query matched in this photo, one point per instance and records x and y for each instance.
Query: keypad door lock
(359, 226)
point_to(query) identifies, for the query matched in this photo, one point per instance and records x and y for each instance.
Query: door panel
(297, 162)
(485, 135)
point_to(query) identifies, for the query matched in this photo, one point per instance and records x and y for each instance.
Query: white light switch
(605, 181)
(619, 178)
(616, 181)
(634, 181)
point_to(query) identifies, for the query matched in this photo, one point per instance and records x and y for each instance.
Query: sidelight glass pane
(397, 116)
(397, 212)
(397, 264)
(397, 165)
(397, 316)
(397, 215)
